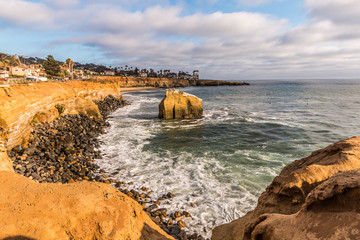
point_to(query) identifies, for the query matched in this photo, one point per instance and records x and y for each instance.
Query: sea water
(222, 162)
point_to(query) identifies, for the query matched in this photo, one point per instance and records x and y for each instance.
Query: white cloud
(338, 11)
(255, 2)
(24, 12)
(239, 45)
(62, 3)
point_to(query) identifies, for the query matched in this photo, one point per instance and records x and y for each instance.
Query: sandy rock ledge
(82, 210)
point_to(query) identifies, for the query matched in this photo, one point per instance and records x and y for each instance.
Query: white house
(4, 74)
(109, 73)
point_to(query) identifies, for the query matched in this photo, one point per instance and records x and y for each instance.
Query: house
(4, 74)
(88, 72)
(109, 73)
(79, 73)
(143, 73)
(195, 75)
(42, 73)
(21, 70)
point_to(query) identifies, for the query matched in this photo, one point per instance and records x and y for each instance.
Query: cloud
(25, 13)
(255, 2)
(62, 3)
(338, 11)
(238, 45)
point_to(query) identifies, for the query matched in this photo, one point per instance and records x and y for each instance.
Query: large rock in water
(316, 197)
(180, 105)
(81, 210)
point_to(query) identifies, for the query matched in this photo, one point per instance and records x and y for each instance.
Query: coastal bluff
(180, 105)
(76, 210)
(162, 82)
(23, 105)
(316, 197)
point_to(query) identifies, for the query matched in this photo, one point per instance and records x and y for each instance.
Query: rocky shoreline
(64, 151)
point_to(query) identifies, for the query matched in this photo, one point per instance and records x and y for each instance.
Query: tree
(136, 71)
(70, 63)
(4, 63)
(51, 66)
(64, 65)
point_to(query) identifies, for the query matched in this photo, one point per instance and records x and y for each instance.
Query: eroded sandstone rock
(180, 105)
(5, 162)
(82, 210)
(331, 211)
(288, 191)
(22, 105)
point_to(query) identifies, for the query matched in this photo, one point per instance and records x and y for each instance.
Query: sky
(230, 40)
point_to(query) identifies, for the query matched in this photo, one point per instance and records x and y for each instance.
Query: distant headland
(19, 69)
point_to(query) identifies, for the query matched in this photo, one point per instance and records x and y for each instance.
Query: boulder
(331, 211)
(180, 105)
(288, 192)
(81, 210)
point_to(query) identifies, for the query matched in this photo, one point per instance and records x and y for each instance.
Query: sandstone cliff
(297, 191)
(179, 105)
(161, 82)
(23, 105)
(82, 210)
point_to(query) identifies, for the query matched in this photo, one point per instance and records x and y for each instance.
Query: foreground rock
(296, 191)
(74, 211)
(180, 105)
(331, 211)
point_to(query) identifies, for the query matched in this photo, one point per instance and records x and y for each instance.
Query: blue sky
(235, 39)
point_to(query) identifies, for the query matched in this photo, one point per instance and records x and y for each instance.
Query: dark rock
(150, 208)
(174, 230)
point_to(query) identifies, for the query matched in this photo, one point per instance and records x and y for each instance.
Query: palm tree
(70, 63)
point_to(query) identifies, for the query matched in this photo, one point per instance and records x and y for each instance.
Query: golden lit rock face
(299, 185)
(5, 161)
(23, 105)
(180, 105)
(81, 210)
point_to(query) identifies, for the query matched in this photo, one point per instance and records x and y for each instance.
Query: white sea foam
(223, 183)
(198, 180)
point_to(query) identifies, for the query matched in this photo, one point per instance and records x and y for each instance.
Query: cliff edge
(161, 82)
(306, 191)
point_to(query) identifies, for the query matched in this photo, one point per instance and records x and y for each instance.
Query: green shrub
(60, 108)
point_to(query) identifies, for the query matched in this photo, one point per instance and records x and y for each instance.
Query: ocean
(222, 162)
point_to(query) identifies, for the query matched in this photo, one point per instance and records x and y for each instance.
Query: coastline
(65, 153)
(293, 192)
(77, 135)
(136, 89)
